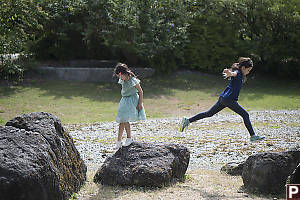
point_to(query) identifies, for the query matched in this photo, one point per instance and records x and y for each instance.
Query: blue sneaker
(184, 123)
(256, 138)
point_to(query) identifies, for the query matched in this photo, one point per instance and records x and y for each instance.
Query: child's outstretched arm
(140, 91)
(228, 73)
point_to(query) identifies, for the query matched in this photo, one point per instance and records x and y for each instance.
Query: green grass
(168, 96)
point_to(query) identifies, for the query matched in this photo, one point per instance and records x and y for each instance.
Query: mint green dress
(127, 110)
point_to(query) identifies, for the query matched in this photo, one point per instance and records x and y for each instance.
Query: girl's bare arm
(140, 91)
(228, 73)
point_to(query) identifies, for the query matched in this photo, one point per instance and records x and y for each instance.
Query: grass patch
(2, 121)
(175, 95)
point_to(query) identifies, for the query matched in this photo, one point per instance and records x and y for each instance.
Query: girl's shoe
(256, 138)
(184, 123)
(128, 142)
(118, 145)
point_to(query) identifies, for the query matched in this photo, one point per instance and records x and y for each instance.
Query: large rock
(233, 168)
(144, 164)
(38, 159)
(294, 178)
(268, 172)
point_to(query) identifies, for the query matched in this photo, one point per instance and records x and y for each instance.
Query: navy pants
(220, 105)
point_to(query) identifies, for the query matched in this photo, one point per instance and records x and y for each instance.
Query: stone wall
(88, 74)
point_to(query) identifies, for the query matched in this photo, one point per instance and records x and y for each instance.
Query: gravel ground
(212, 142)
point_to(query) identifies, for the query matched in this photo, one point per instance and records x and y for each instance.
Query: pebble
(213, 141)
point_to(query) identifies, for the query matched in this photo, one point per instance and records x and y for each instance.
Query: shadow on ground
(156, 86)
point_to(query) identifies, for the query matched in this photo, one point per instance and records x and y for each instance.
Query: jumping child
(131, 107)
(229, 97)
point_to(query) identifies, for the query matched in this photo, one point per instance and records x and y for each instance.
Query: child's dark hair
(243, 61)
(124, 69)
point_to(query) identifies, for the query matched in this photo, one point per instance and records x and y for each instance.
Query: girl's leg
(127, 128)
(128, 131)
(121, 130)
(120, 133)
(236, 107)
(213, 110)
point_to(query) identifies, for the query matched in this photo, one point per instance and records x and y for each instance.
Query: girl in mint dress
(131, 107)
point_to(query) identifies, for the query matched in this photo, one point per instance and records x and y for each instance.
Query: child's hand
(226, 73)
(140, 106)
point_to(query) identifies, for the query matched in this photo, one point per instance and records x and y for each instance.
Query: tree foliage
(18, 23)
(204, 35)
(142, 31)
(61, 36)
(266, 29)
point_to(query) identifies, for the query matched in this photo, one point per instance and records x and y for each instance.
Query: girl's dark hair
(246, 62)
(243, 61)
(124, 69)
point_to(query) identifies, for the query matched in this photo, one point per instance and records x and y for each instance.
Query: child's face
(122, 76)
(245, 70)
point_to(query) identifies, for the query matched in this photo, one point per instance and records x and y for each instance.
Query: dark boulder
(144, 164)
(267, 173)
(38, 159)
(294, 178)
(233, 168)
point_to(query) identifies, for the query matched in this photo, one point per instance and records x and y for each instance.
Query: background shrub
(166, 35)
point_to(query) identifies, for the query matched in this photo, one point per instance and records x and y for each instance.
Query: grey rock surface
(294, 178)
(233, 168)
(268, 172)
(38, 159)
(144, 164)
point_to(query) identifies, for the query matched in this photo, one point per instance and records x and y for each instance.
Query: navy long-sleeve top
(233, 89)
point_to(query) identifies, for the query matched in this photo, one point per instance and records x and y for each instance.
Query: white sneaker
(128, 142)
(118, 145)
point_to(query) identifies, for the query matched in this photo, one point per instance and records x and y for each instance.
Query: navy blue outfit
(228, 98)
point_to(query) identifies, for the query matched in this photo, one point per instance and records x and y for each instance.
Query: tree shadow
(153, 87)
(8, 90)
(258, 87)
(157, 86)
